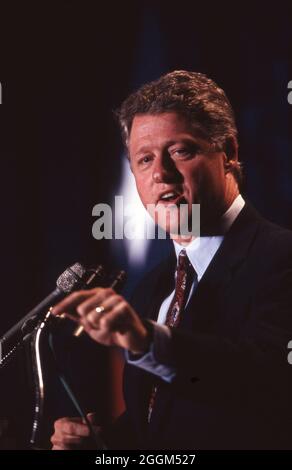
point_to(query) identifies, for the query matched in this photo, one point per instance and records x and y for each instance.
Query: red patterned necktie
(184, 279)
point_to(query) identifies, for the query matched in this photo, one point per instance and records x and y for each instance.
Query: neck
(184, 241)
(210, 226)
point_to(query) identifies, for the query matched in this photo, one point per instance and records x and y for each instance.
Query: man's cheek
(145, 200)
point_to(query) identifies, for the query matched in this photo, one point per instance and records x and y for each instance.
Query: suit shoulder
(274, 242)
(275, 235)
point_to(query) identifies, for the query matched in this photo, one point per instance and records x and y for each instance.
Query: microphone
(73, 278)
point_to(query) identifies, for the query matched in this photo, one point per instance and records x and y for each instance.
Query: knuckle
(69, 428)
(109, 291)
(123, 305)
(83, 293)
(80, 309)
(54, 440)
(103, 323)
(79, 294)
(95, 290)
(59, 423)
(75, 295)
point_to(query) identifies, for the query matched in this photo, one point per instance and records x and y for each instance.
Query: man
(206, 332)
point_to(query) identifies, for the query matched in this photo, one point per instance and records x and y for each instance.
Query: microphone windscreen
(67, 281)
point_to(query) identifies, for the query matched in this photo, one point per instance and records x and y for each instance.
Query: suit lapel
(202, 311)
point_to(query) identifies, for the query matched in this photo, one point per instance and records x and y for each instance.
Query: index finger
(72, 301)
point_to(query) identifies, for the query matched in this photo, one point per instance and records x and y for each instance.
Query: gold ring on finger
(100, 309)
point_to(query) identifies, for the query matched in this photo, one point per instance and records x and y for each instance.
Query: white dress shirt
(200, 253)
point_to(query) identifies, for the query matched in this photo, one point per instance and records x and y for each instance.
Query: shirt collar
(202, 249)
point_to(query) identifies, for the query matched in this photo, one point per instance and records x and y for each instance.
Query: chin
(175, 220)
(175, 229)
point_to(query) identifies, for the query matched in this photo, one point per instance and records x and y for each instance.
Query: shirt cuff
(159, 347)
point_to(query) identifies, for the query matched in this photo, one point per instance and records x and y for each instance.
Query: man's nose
(164, 170)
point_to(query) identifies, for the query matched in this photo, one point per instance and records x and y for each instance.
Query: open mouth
(172, 197)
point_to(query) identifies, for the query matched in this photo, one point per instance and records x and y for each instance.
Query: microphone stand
(36, 338)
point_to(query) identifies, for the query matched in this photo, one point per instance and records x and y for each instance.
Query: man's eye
(144, 160)
(182, 152)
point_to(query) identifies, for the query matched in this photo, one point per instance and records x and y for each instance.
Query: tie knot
(183, 260)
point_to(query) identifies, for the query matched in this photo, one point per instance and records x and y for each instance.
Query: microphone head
(68, 280)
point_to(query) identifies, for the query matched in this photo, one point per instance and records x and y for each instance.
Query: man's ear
(231, 152)
(130, 163)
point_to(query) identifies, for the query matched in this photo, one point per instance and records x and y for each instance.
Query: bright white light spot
(136, 249)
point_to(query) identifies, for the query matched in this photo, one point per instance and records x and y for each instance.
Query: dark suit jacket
(233, 388)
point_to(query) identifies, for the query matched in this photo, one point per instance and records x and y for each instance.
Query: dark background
(65, 66)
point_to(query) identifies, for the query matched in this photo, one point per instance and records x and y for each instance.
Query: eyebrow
(169, 143)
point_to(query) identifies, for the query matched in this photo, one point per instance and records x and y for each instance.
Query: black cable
(68, 389)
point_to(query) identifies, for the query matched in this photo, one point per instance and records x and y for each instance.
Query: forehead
(150, 127)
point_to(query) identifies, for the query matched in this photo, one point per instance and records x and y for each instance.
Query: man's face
(168, 158)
